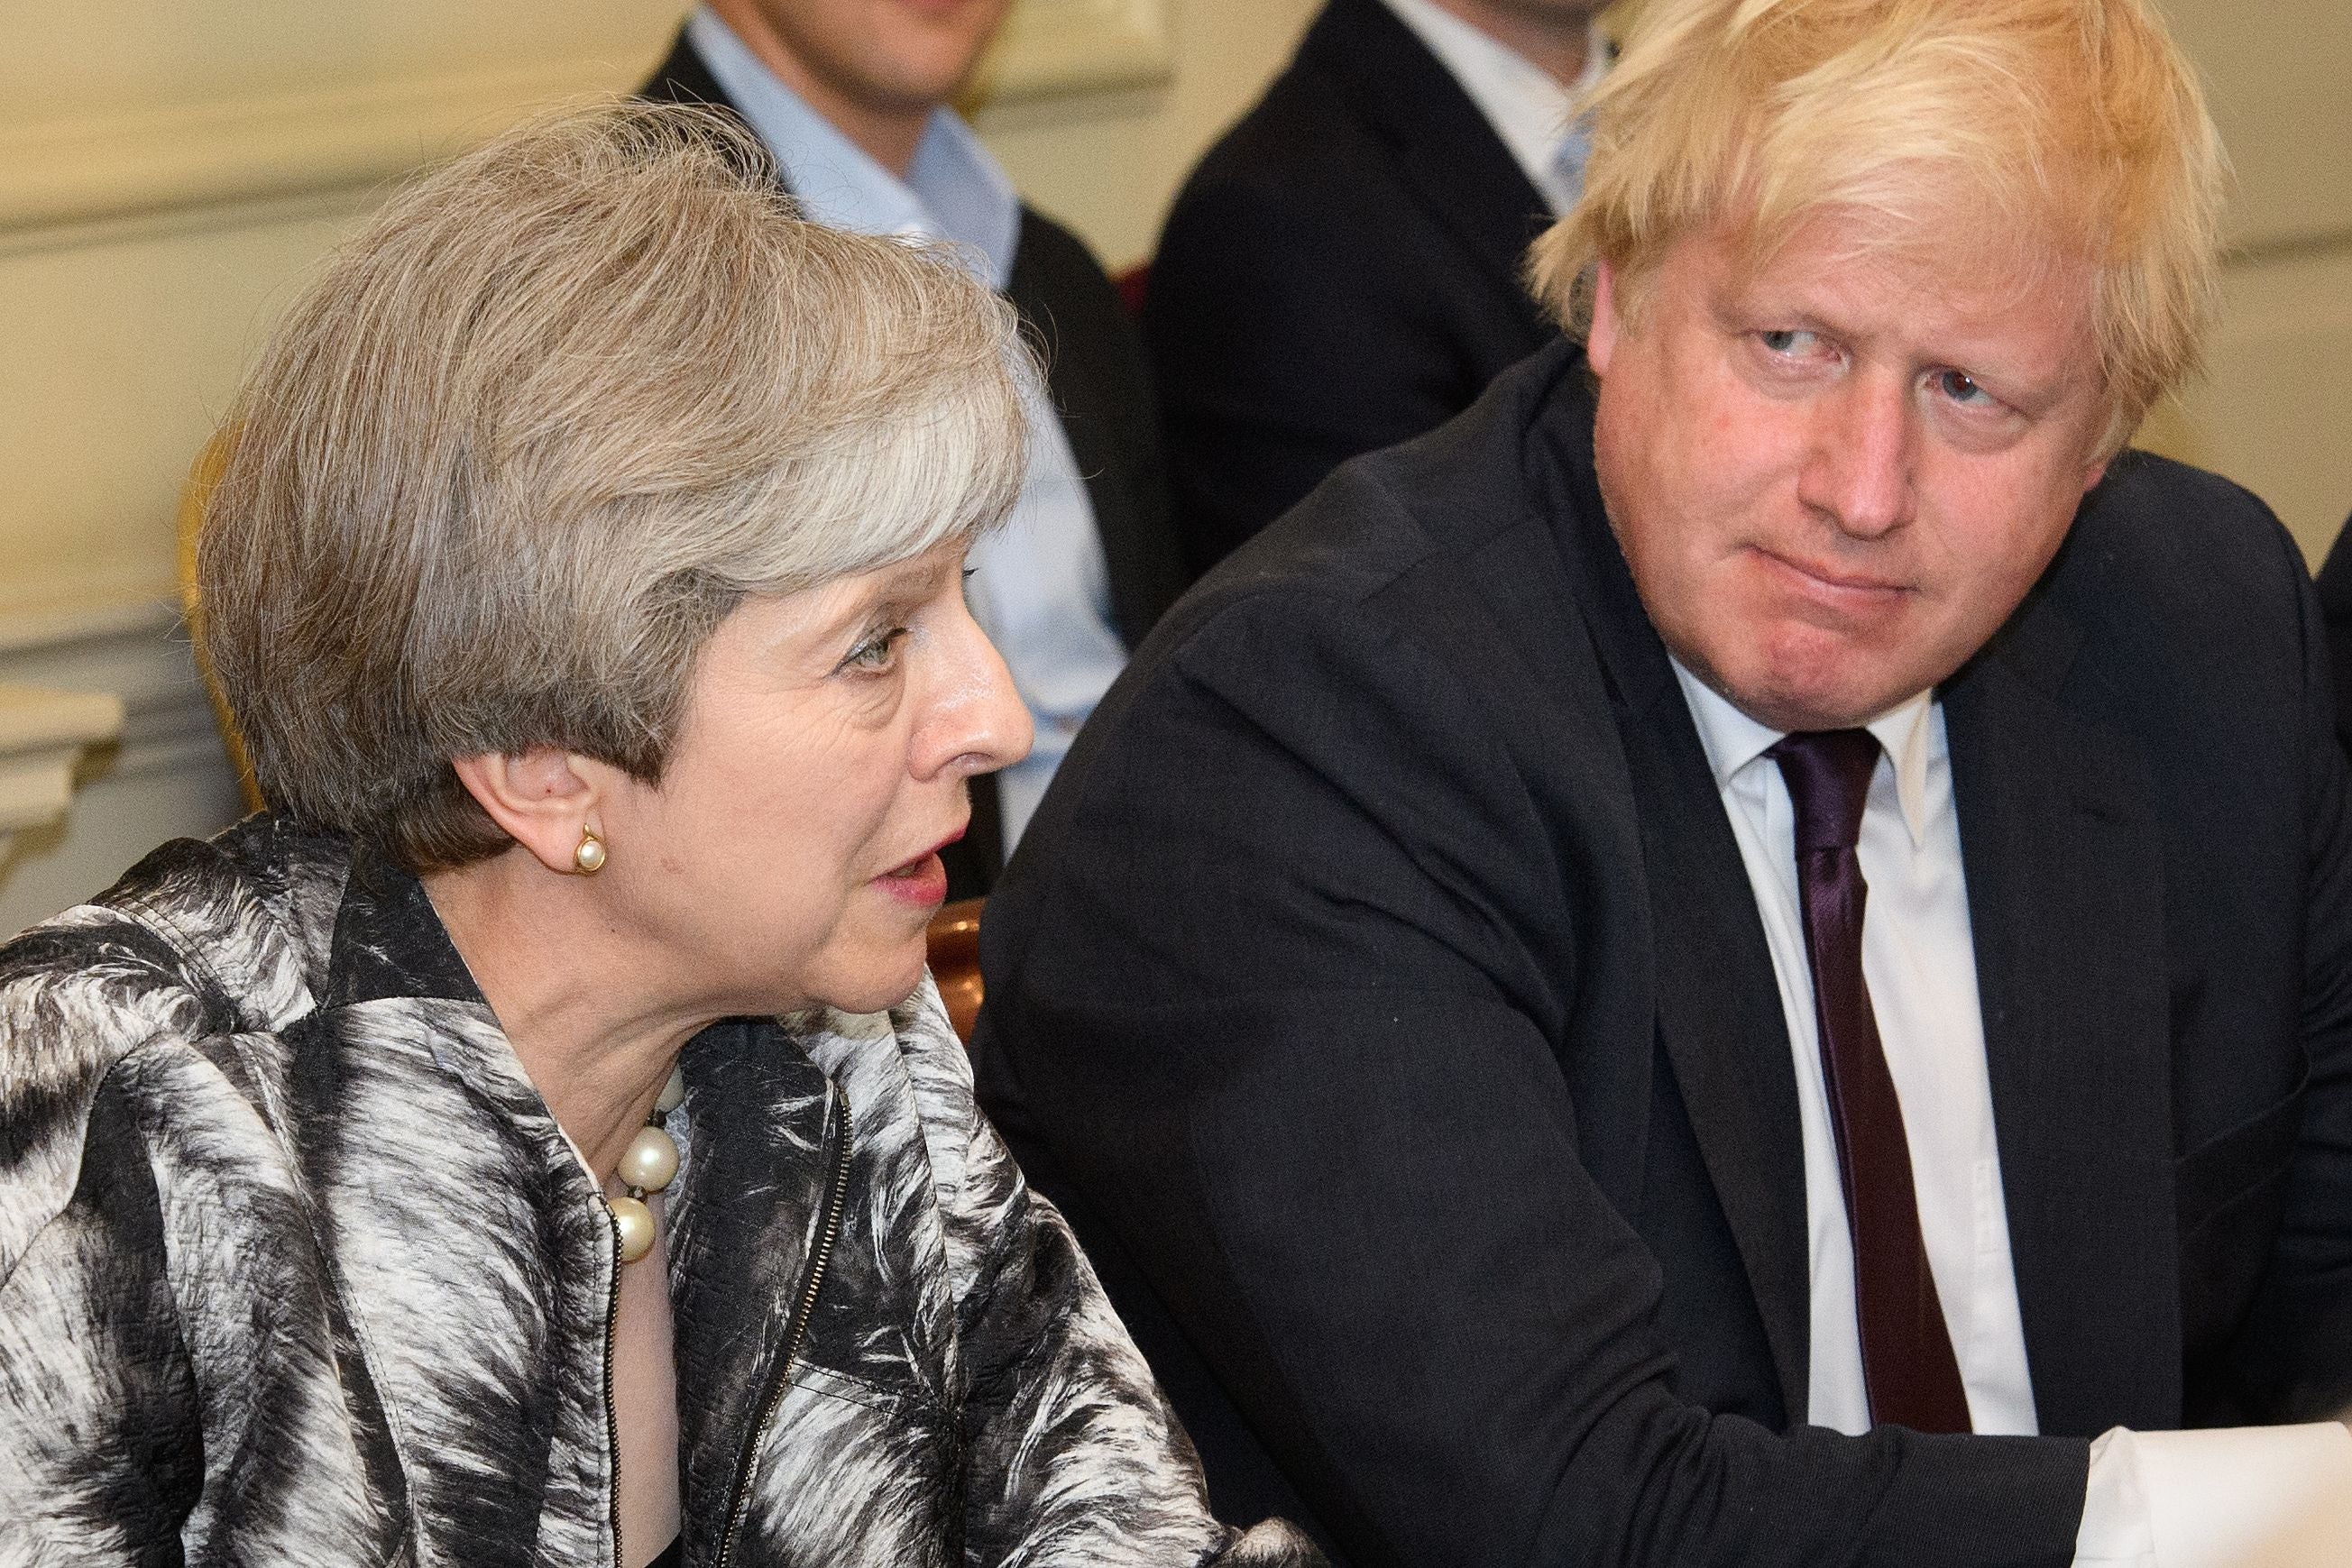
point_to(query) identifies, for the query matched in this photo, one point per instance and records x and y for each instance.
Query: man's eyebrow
(1743, 313)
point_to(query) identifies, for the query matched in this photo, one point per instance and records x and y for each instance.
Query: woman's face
(788, 855)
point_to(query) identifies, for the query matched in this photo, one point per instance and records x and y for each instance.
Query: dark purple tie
(1907, 1364)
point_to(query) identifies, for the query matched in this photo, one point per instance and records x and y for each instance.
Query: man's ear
(1601, 342)
(546, 800)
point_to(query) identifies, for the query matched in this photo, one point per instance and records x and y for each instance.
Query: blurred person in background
(851, 98)
(536, 1140)
(1342, 271)
(1744, 955)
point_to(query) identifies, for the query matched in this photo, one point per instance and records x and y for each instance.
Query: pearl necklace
(647, 1167)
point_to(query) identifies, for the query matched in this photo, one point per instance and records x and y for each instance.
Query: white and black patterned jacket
(295, 1269)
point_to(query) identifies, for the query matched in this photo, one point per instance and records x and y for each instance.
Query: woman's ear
(549, 801)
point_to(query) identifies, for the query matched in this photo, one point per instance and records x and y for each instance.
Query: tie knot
(1828, 773)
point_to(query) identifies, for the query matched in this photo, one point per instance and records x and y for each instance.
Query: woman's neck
(579, 999)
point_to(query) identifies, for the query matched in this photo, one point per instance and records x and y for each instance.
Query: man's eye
(1788, 341)
(1962, 388)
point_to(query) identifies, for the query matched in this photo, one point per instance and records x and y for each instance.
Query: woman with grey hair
(536, 1139)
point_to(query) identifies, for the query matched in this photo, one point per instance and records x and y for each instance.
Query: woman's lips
(922, 880)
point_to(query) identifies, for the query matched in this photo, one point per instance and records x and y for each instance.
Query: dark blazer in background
(1095, 375)
(1340, 273)
(2336, 602)
(1382, 977)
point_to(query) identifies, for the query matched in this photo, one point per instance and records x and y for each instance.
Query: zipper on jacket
(796, 1328)
(612, 1411)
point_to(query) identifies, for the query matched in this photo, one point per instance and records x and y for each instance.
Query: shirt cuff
(2220, 1498)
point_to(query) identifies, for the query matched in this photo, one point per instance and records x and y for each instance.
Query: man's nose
(1857, 471)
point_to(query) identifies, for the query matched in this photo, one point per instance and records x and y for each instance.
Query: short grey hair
(540, 427)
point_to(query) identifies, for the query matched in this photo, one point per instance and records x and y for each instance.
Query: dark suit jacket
(1096, 374)
(1381, 974)
(1340, 273)
(2335, 603)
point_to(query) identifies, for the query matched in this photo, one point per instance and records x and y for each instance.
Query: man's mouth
(1827, 578)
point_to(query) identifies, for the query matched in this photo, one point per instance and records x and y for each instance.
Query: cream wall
(2275, 410)
(169, 172)
(1110, 167)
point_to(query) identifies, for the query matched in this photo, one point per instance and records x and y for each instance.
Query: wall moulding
(165, 775)
(76, 172)
(1076, 48)
(135, 652)
(175, 164)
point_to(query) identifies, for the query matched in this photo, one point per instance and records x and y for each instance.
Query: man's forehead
(1837, 274)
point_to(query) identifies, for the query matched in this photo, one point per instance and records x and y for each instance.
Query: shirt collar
(954, 190)
(1532, 113)
(1735, 742)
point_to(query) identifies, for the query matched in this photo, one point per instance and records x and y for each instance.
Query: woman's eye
(1961, 388)
(876, 653)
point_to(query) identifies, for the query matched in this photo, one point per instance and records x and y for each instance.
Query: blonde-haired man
(1745, 955)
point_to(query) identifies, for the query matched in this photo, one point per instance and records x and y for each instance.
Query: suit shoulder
(1052, 245)
(1468, 480)
(79, 995)
(2139, 479)
(1301, 150)
(683, 77)
(2165, 528)
(199, 940)
(1387, 538)
(1061, 289)
(1289, 135)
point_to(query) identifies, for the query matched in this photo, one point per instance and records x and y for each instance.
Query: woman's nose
(977, 721)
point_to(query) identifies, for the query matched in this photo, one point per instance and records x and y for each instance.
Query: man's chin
(1812, 678)
(1789, 702)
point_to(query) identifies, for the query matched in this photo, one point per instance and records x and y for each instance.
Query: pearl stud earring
(589, 856)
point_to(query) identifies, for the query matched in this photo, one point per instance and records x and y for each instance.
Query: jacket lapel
(1718, 1004)
(2066, 905)
(482, 1328)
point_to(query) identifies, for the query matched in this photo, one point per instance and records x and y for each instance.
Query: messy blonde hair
(561, 405)
(2039, 128)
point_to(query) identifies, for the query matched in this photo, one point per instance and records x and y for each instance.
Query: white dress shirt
(1041, 587)
(1533, 114)
(2173, 1499)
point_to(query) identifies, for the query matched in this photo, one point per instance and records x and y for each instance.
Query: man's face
(890, 57)
(1835, 478)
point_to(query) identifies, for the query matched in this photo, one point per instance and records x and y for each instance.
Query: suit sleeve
(1287, 337)
(1275, 1006)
